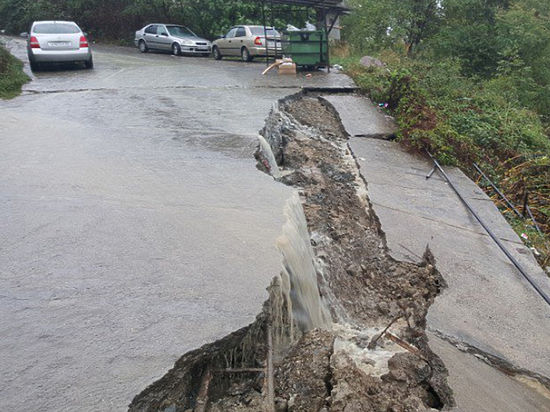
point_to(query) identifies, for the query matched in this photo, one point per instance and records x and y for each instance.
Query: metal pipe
(430, 173)
(490, 233)
(510, 205)
(533, 219)
(327, 57)
(265, 34)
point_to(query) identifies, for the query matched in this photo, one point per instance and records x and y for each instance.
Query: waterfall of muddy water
(267, 154)
(308, 309)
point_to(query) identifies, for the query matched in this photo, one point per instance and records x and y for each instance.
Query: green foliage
(459, 117)
(524, 51)
(378, 24)
(119, 19)
(12, 77)
(469, 34)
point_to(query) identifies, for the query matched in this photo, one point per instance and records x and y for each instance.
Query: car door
(164, 40)
(239, 41)
(151, 37)
(226, 43)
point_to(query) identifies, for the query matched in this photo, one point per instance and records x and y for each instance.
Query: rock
(291, 403)
(369, 61)
(383, 308)
(281, 405)
(354, 269)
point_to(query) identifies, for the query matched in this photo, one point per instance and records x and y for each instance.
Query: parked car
(57, 42)
(171, 37)
(248, 42)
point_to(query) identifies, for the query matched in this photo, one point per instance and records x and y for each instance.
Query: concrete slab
(361, 118)
(487, 304)
(474, 382)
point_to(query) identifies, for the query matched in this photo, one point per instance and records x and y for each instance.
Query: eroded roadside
(344, 325)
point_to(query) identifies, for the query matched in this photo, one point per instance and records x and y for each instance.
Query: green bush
(12, 77)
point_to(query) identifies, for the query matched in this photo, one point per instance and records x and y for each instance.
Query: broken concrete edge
(441, 387)
(360, 117)
(227, 361)
(381, 136)
(331, 90)
(222, 362)
(492, 360)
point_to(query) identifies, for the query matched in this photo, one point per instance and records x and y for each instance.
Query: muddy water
(134, 224)
(308, 309)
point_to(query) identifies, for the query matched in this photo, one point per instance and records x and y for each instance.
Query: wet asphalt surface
(134, 225)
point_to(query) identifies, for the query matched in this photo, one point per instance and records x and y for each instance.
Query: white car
(57, 42)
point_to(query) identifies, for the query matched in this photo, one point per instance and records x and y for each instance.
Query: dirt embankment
(350, 337)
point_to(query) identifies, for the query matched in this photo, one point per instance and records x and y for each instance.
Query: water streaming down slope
(308, 309)
(267, 153)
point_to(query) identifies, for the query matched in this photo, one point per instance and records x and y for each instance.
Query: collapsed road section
(344, 325)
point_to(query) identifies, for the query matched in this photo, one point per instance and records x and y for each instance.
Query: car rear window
(55, 28)
(259, 31)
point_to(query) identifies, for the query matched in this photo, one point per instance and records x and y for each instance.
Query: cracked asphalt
(134, 225)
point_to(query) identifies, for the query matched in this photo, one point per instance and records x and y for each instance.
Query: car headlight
(188, 43)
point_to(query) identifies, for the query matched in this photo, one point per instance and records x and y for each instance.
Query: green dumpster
(307, 48)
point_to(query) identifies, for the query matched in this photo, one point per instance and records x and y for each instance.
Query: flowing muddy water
(343, 328)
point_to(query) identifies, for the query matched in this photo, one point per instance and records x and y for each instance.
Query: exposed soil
(374, 357)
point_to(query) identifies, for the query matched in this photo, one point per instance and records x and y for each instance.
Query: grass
(12, 77)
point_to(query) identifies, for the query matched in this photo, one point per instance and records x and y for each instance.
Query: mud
(373, 354)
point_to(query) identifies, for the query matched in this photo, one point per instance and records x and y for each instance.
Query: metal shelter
(323, 8)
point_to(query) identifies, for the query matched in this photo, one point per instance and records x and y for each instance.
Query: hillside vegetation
(468, 80)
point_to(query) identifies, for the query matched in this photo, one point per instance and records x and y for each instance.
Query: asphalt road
(134, 225)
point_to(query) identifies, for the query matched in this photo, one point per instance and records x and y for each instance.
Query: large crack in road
(344, 325)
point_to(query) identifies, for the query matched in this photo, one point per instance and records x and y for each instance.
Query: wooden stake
(202, 397)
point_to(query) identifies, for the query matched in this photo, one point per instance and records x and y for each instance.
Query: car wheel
(89, 64)
(34, 65)
(143, 46)
(216, 53)
(176, 49)
(245, 55)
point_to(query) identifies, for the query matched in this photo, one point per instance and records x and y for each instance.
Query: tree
(378, 24)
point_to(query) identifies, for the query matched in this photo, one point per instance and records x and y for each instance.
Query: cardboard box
(287, 68)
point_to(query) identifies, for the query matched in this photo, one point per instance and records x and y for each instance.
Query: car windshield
(259, 31)
(56, 28)
(180, 31)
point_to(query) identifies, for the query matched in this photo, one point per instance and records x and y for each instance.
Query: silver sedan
(57, 42)
(171, 37)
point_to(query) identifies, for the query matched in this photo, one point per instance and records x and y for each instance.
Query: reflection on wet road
(134, 223)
